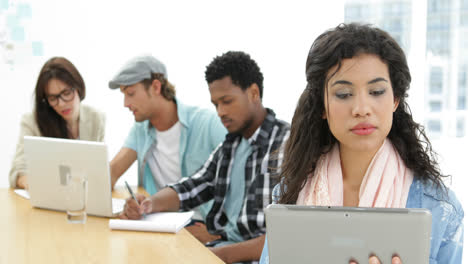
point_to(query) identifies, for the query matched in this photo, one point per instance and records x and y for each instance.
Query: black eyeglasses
(66, 95)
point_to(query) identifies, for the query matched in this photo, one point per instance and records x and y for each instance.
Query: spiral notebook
(167, 222)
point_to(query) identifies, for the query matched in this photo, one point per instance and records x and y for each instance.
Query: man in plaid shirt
(240, 173)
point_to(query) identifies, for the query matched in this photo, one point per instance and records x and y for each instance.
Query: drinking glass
(76, 198)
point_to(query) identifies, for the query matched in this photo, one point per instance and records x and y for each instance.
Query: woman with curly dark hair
(354, 142)
(57, 113)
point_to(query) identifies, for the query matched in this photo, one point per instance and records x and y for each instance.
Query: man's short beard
(246, 125)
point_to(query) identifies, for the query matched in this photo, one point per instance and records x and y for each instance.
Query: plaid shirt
(261, 175)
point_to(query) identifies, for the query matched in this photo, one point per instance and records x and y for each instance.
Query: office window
(399, 38)
(435, 106)
(463, 52)
(352, 12)
(460, 127)
(464, 5)
(462, 88)
(438, 26)
(463, 72)
(438, 5)
(461, 102)
(438, 22)
(438, 42)
(436, 80)
(391, 9)
(393, 24)
(464, 18)
(405, 7)
(434, 126)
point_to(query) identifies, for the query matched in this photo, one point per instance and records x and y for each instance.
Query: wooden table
(31, 235)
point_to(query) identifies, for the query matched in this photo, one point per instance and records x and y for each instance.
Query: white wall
(99, 36)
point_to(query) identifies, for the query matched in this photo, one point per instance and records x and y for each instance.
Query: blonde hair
(167, 88)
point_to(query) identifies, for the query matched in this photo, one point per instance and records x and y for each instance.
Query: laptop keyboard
(117, 205)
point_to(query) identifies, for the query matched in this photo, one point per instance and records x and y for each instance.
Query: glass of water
(76, 197)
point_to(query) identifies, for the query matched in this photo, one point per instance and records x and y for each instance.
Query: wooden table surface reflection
(31, 235)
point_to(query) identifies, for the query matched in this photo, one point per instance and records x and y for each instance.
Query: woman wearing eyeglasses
(57, 113)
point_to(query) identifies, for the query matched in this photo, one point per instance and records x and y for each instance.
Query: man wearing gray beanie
(169, 140)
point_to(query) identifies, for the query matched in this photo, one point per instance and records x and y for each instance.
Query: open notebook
(168, 222)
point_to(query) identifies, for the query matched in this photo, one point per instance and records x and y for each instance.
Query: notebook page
(22, 193)
(168, 222)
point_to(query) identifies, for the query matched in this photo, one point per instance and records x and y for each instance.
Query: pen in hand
(133, 195)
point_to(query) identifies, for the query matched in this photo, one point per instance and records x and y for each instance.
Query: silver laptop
(306, 234)
(47, 160)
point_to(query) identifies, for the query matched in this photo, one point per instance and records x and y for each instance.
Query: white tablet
(307, 234)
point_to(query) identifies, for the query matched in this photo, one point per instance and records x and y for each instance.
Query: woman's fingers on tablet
(374, 260)
(396, 260)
